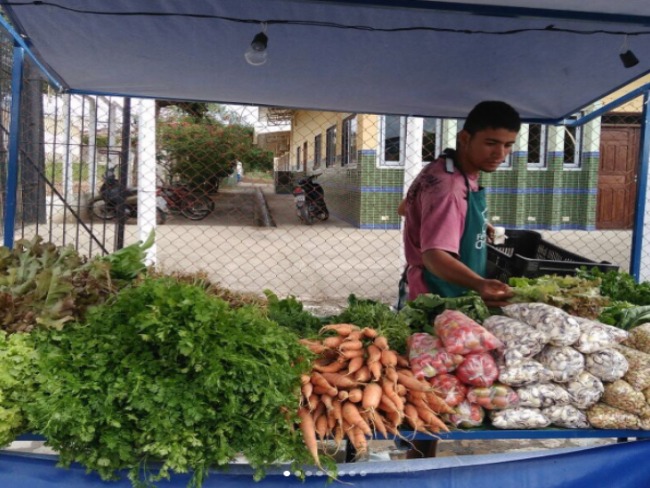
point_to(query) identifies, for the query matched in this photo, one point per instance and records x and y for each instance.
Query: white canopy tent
(411, 57)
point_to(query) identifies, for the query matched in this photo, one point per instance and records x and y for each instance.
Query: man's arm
(447, 267)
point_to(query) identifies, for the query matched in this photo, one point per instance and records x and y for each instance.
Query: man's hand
(495, 293)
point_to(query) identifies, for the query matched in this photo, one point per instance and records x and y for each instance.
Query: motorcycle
(111, 197)
(309, 197)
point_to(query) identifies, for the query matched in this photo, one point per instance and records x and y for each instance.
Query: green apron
(473, 244)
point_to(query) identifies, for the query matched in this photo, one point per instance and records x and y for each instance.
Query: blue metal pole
(642, 184)
(14, 138)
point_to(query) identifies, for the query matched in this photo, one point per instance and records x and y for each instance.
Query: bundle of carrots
(358, 386)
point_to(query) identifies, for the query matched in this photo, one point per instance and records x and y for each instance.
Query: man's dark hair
(492, 115)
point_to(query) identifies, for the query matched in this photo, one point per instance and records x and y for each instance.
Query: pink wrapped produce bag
(478, 369)
(449, 388)
(428, 357)
(462, 335)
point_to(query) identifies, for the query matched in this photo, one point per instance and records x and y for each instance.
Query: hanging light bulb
(627, 56)
(256, 53)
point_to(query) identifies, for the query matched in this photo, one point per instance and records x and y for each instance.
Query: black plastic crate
(526, 254)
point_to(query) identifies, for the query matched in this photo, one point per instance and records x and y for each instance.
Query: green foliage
(289, 312)
(167, 373)
(17, 366)
(46, 286)
(420, 313)
(370, 313)
(199, 151)
(579, 295)
(619, 285)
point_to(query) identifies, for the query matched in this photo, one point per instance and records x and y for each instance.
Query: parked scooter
(309, 197)
(106, 204)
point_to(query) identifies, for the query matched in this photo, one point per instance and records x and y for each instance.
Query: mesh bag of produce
(566, 416)
(478, 369)
(586, 390)
(603, 416)
(519, 418)
(638, 371)
(543, 395)
(596, 336)
(462, 335)
(525, 373)
(559, 328)
(449, 388)
(520, 339)
(565, 362)
(639, 338)
(620, 394)
(428, 358)
(493, 397)
(607, 365)
(467, 415)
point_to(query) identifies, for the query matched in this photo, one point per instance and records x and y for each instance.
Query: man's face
(486, 149)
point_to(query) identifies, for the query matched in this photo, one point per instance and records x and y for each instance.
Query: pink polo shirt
(435, 218)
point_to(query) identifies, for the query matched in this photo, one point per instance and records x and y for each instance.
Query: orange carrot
(362, 375)
(389, 358)
(324, 367)
(347, 345)
(332, 342)
(388, 390)
(308, 429)
(351, 414)
(374, 353)
(381, 342)
(378, 423)
(325, 390)
(437, 404)
(337, 412)
(358, 439)
(339, 380)
(369, 333)
(340, 329)
(355, 364)
(403, 362)
(401, 389)
(391, 374)
(375, 370)
(321, 427)
(318, 379)
(413, 419)
(388, 406)
(352, 353)
(312, 402)
(343, 395)
(355, 395)
(411, 382)
(371, 396)
(307, 390)
(316, 347)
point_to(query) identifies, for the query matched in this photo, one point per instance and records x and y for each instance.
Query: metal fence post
(14, 140)
(636, 270)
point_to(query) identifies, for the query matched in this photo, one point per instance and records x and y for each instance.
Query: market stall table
(621, 464)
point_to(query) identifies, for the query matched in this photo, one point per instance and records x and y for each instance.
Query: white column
(67, 136)
(147, 173)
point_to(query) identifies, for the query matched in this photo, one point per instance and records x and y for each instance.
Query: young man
(446, 227)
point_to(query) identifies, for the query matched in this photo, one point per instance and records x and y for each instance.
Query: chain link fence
(224, 178)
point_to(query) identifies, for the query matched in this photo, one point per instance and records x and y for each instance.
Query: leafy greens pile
(576, 295)
(42, 285)
(167, 373)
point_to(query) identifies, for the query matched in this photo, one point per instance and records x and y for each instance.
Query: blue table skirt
(624, 465)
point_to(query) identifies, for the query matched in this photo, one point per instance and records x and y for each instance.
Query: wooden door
(619, 158)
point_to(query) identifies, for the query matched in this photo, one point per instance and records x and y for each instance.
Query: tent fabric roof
(410, 57)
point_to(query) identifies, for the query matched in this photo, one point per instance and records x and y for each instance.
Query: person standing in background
(446, 228)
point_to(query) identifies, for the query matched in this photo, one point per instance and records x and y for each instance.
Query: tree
(202, 153)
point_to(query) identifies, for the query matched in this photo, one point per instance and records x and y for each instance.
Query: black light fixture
(256, 53)
(627, 56)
